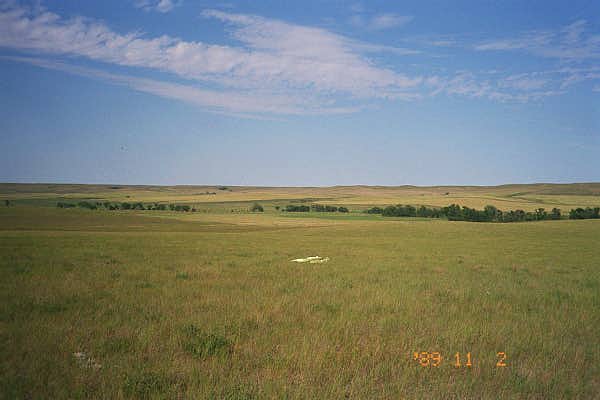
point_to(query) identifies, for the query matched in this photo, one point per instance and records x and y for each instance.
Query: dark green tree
(541, 214)
(491, 212)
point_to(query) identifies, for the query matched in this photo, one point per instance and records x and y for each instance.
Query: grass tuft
(236, 392)
(202, 345)
(182, 275)
(149, 384)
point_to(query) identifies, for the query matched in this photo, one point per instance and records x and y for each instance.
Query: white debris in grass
(84, 361)
(311, 260)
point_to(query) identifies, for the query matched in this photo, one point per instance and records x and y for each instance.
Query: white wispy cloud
(521, 88)
(276, 57)
(212, 100)
(275, 67)
(530, 40)
(311, 57)
(579, 76)
(389, 20)
(162, 6)
(357, 7)
(572, 42)
(380, 21)
(525, 82)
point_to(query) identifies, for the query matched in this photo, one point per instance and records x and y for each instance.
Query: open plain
(206, 304)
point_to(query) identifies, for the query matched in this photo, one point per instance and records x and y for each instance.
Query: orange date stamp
(464, 360)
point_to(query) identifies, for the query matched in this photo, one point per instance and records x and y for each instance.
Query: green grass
(174, 305)
(333, 216)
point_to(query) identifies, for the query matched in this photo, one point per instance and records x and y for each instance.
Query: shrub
(471, 214)
(408, 211)
(428, 212)
(541, 214)
(293, 208)
(513, 216)
(375, 210)
(491, 212)
(257, 208)
(389, 211)
(343, 210)
(322, 208)
(87, 204)
(400, 211)
(453, 212)
(585, 213)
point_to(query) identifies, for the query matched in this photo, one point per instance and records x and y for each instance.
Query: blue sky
(299, 93)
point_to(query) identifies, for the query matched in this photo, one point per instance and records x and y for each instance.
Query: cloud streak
(380, 21)
(571, 43)
(162, 6)
(212, 100)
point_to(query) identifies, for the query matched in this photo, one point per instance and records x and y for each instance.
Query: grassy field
(526, 197)
(159, 304)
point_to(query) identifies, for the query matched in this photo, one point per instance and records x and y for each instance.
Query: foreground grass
(193, 308)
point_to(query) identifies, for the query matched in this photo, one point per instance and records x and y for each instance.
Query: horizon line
(299, 186)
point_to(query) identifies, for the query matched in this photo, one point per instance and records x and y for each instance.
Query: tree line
(126, 206)
(454, 212)
(315, 208)
(585, 213)
(491, 214)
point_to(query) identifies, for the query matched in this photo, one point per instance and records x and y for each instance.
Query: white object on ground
(312, 260)
(85, 361)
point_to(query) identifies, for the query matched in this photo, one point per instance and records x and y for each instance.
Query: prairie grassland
(147, 304)
(526, 197)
